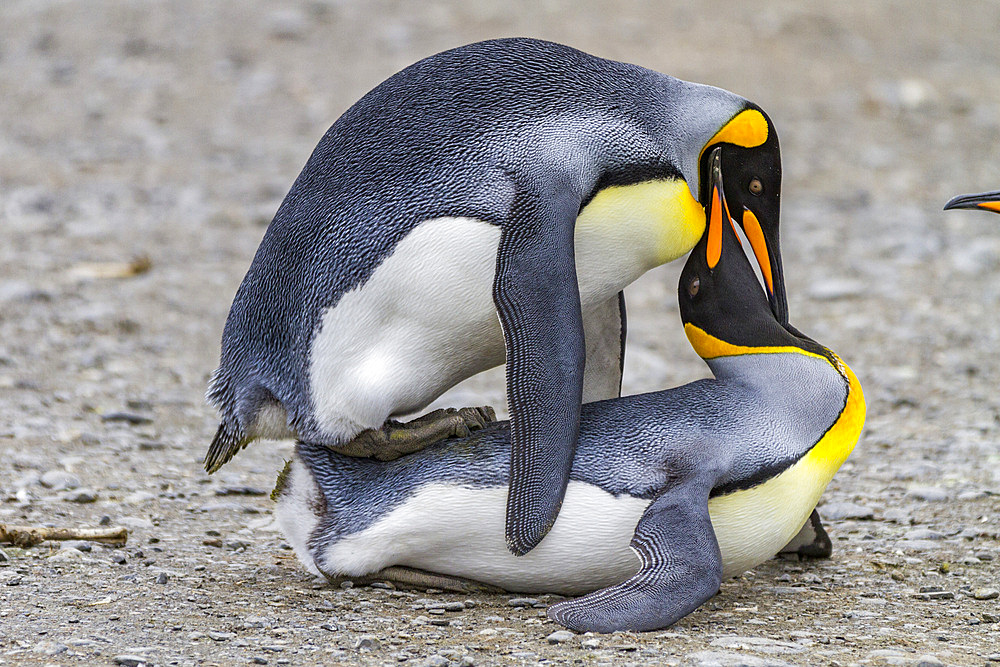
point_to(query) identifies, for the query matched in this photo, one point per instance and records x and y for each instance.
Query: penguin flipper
(812, 541)
(681, 569)
(538, 302)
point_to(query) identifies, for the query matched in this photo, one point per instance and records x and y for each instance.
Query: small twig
(29, 536)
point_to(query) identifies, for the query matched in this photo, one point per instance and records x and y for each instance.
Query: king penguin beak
(987, 201)
(718, 214)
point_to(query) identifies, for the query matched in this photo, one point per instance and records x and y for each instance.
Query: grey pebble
(258, 660)
(80, 496)
(119, 558)
(50, 648)
(560, 636)
(59, 480)
(437, 661)
(922, 534)
(217, 636)
(366, 643)
(927, 661)
(839, 511)
(728, 659)
(522, 602)
(162, 578)
(128, 660)
(79, 545)
(131, 418)
(986, 594)
(761, 644)
(241, 491)
(931, 494)
(4, 558)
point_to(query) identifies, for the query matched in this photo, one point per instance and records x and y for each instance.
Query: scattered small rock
(933, 593)
(840, 511)
(50, 648)
(923, 534)
(59, 480)
(132, 418)
(560, 636)
(118, 558)
(131, 660)
(81, 496)
(761, 644)
(241, 491)
(366, 643)
(522, 602)
(591, 643)
(217, 636)
(162, 578)
(986, 594)
(931, 494)
(729, 659)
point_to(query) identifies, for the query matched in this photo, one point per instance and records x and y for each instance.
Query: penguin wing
(681, 569)
(538, 301)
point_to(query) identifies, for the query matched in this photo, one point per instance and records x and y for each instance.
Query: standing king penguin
(702, 481)
(486, 204)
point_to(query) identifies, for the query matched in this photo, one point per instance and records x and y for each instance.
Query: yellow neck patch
(709, 347)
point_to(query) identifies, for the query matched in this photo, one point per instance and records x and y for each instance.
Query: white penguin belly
(425, 319)
(458, 531)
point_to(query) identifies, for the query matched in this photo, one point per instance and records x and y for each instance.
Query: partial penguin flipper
(225, 445)
(681, 569)
(538, 301)
(812, 541)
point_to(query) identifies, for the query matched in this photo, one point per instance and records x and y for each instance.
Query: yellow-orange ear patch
(747, 129)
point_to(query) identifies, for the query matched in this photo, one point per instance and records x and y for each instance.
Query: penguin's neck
(743, 363)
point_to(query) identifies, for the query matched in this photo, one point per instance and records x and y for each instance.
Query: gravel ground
(144, 147)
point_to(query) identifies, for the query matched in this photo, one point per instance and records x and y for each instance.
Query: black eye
(693, 286)
(756, 187)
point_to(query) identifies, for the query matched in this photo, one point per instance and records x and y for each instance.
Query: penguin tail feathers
(225, 445)
(229, 438)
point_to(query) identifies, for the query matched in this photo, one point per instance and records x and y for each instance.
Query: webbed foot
(396, 439)
(812, 541)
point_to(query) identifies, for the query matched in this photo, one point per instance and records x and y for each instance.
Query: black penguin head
(719, 291)
(986, 201)
(753, 192)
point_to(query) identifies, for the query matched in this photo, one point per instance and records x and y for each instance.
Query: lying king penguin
(485, 205)
(669, 492)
